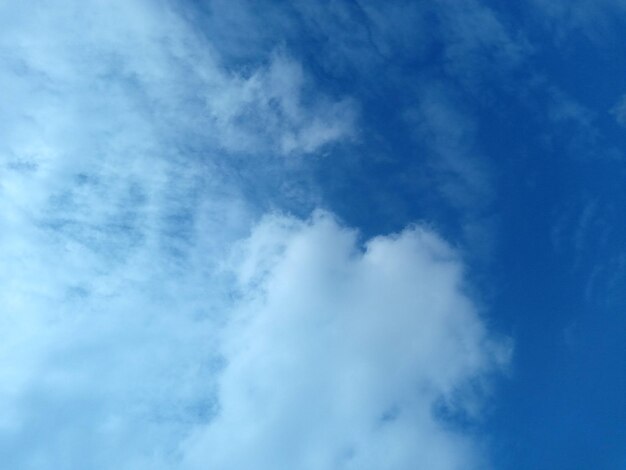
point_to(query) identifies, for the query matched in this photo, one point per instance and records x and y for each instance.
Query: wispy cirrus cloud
(619, 111)
(597, 20)
(264, 112)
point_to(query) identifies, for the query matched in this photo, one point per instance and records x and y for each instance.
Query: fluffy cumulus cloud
(149, 320)
(338, 356)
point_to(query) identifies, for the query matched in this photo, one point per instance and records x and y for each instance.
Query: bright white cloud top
(336, 357)
(151, 317)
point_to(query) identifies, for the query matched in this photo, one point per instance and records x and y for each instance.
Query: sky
(313, 235)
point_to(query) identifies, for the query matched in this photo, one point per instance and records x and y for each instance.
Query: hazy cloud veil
(152, 316)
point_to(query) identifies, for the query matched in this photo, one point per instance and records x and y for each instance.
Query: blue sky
(313, 235)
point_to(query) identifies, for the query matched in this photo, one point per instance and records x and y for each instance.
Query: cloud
(598, 20)
(450, 135)
(478, 45)
(619, 111)
(123, 326)
(267, 109)
(118, 196)
(140, 58)
(337, 356)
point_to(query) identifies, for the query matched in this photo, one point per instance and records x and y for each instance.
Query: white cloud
(111, 61)
(118, 202)
(336, 357)
(267, 109)
(117, 199)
